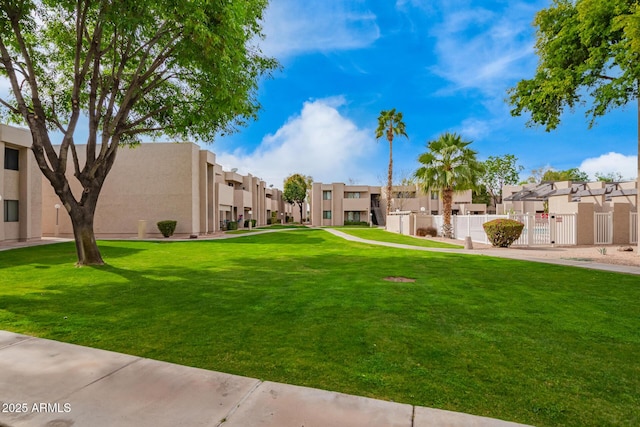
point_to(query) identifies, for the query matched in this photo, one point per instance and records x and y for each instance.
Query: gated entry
(539, 229)
(547, 229)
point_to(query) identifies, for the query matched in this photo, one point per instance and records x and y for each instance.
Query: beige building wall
(165, 181)
(413, 198)
(150, 182)
(23, 186)
(519, 207)
(405, 198)
(337, 203)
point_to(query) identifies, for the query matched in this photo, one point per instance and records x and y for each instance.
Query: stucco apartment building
(170, 181)
(601, 209)
(20, 187)
(339, 203)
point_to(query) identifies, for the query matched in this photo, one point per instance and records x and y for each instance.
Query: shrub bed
(427, 231)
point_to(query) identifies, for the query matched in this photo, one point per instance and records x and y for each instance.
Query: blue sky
(446, 65)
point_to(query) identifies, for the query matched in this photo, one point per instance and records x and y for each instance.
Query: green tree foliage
(390, 124)
(573, 174)
(124, 68)
(588, 49)
(449, 166)
(609, 177)
(296, 188)
(499, 171)
(550, 174)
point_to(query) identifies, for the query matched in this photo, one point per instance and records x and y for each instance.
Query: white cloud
(481, 49)
(627, 166)
(319, 142)
(476, 129)
(293, 27)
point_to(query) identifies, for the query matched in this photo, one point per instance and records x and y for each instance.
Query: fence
(539, 229)
(603, 228)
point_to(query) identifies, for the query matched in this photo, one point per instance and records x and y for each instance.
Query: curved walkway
(497, 252)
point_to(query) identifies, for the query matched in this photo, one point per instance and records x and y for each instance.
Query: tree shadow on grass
(331, 321)
(64, 253)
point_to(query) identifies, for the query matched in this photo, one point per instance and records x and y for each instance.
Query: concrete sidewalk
(497, 252)
(46, 383)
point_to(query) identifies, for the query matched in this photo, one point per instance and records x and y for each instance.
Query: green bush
(232, 225)
(246, 223)
(167, 227)
(503, 232)
(428, 231)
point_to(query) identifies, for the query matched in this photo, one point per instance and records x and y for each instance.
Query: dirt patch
(399, 279)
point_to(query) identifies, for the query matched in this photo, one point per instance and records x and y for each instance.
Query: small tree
(499, 171)
(296, 188)
(609, 177)
(573, 174)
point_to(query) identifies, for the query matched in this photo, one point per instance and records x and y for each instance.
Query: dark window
(11, 211)
(11, 158)
(326, 214)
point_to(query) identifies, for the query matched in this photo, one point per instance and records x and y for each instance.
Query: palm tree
(390, 124)
(449, 166)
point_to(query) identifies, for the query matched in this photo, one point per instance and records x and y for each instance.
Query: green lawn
(533, 343)
(381, 235)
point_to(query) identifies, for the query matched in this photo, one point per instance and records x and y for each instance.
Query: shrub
(503, 232)
(246, 223)
(428, 231)
(232, 225)
(167, 227)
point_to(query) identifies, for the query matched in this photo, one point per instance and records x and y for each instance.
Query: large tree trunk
(86, 246)
(447, 199)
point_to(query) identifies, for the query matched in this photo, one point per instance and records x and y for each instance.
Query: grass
(533, 343)
(381, 235)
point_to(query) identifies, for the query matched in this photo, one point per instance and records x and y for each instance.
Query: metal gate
(603, 228)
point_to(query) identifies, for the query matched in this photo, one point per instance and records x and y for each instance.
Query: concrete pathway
(498, 252)
(46, 383)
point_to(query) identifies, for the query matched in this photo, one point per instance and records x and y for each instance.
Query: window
(353, 216)
(11, 158)
(326, 195)
(11, 211)
(434, 196)
(326, 214)
(352, 195)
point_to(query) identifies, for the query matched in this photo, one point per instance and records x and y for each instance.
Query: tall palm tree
(390, 124)
(449, 166)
